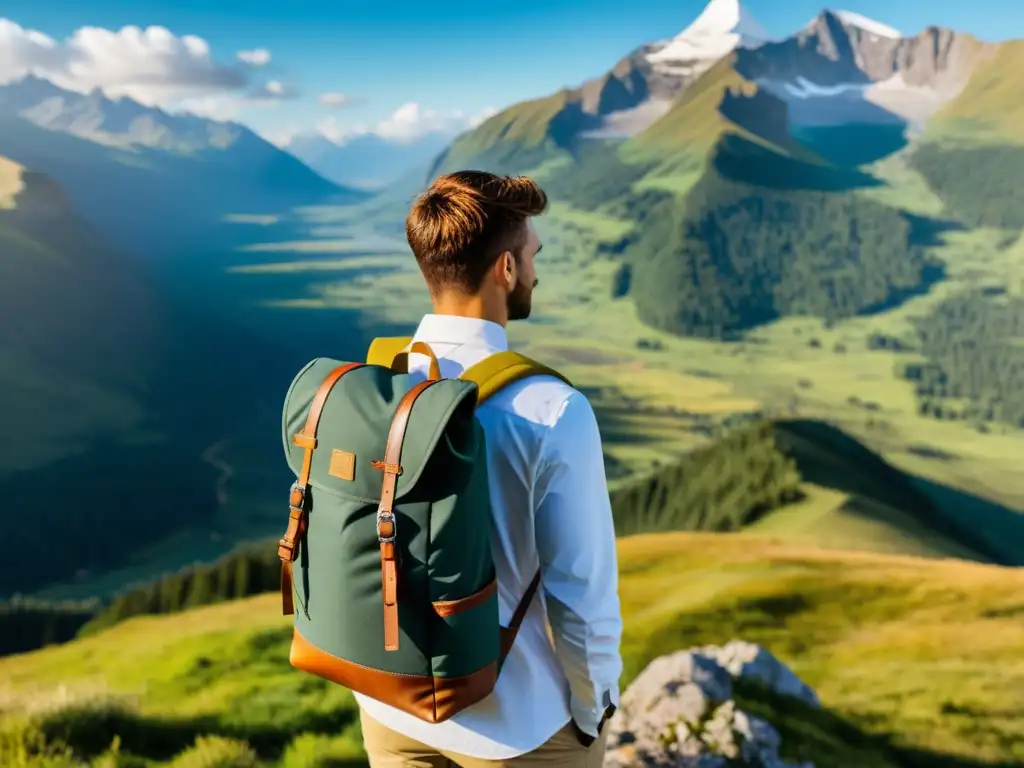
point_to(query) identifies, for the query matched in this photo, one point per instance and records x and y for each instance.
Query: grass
(913, 659)
(991, 98)
(828, 517)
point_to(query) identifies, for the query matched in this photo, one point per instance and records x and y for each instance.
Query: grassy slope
(991, 101)
(523, 126)
(926, 655)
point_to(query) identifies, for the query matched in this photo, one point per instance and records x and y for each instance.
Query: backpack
(386, 562)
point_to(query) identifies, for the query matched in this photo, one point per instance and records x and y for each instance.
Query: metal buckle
(389, 517)
(302, 495)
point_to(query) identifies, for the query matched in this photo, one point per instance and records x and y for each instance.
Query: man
(475, 245)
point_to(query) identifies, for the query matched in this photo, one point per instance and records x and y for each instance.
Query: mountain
(991, 98)
(69, 303)
(79, 334)
(722, 27)
(367, 161)
(841, 68)
(119, 122)
(158, 184)
(116, 393)
(770, 133)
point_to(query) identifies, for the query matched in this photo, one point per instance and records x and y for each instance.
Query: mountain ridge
(839, 68)
(167, 180)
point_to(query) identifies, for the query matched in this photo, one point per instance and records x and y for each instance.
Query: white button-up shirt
(550, 507)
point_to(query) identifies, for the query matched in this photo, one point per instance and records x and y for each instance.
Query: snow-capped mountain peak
(722, 26)
(870, 26)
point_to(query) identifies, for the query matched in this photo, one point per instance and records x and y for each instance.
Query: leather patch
(343, 465)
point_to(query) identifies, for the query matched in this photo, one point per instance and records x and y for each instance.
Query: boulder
(680, 712)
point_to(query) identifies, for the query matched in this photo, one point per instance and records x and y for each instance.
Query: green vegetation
(730, 257)
(721, 101)
(519, 138)
(719, 488)
(249, 570)
(27, 623)
(844, 621)
(598, 175)
(991, 101)
(975, 361)
(979, 185)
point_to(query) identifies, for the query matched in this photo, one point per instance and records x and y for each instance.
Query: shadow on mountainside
(827, 456)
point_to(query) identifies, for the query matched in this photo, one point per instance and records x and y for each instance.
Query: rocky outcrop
(831, 51)
(680, 711)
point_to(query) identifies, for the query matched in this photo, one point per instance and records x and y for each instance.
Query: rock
(752, 662)
(680, 712)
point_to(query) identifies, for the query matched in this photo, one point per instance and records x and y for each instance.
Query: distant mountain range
(153, 182)
(367, 161)
(840, 69)
(731, 155)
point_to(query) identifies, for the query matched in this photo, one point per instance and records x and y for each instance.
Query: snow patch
(722, 26)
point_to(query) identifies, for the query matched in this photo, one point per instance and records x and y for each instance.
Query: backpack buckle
(387, 527)
(297, 498)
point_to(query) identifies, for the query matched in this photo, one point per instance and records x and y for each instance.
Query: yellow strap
(491, 375)
(383, 351)
(499, 370)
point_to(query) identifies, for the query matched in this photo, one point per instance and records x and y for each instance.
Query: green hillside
(840, 619)
(990, 103)
(522, 136)
(107, 383)
(720, 101)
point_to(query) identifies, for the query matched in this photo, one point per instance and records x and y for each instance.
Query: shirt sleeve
(578, 561)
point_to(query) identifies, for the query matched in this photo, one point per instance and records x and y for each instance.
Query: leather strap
(298, 499)
(400, 363)
(508, 634)
(387, 528)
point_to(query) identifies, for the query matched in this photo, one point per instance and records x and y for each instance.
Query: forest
(979, 186)
(975, 368)
(731, 256)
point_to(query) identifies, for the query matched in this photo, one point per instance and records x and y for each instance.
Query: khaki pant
(389, 749)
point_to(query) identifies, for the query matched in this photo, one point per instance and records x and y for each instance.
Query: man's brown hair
(460, 225)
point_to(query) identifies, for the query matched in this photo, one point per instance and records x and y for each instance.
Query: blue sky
(451, 56)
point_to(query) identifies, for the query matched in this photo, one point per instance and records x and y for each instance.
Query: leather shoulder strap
(385, 349)
(494, 373)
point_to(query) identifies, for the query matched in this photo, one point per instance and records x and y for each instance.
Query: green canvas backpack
(386, 562)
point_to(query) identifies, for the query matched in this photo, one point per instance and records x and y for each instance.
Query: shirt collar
(453, 329)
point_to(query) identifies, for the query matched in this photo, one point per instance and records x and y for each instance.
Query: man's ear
(506, 267)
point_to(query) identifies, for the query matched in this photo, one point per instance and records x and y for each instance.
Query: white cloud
(257, 57)
(274, 90)
(405, 124)
(281, 136)
(334, 99)
(484, 114)
(410, 121)
(152, 65)
(333, 130)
